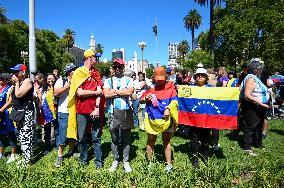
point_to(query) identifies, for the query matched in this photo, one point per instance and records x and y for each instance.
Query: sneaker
(58, 162)
(12, 158)
(250, 152)
(113, 166)
(1, 156)
(216, 147)
(46, 152)
(169, 168)
(263, 136)
(127, 167)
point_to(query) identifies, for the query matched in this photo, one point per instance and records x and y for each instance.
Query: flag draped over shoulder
(154, 115)
(208, 107)
(48, 111)
(78, 78)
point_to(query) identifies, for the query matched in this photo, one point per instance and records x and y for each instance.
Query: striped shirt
(118, 84)
(260, 91)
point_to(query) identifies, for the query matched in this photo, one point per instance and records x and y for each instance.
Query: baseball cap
(89, 53)
(119, 61)
(19, 67)
(69, 67)
(160, 73)
(5, 76)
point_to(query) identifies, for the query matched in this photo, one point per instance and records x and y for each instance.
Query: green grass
(234, 169)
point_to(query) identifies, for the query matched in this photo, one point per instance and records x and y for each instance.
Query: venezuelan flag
(154, 121)
(48, 107)
(208, 107)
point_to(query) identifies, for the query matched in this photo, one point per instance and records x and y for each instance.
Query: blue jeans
(61, 130)
(82, 121)
(135, 112)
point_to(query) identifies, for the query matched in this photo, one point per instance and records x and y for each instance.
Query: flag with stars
(208, 107)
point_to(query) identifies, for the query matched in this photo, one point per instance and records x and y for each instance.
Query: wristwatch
(97, 106)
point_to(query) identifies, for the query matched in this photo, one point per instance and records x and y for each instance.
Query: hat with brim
(201, 71)
(5, 76)
(89, 53)
(119, 61)
(19, 67)
(69, 67)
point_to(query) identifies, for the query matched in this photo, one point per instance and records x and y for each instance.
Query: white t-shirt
(63, 101)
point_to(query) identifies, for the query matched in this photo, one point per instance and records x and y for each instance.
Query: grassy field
(230, 168)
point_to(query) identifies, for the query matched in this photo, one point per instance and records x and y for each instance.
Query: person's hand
(95, 114)
(99, 90)
(265, 106)
(167, 113)
(15, 79)
(149, 97)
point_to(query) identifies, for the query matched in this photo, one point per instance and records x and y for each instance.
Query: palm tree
(3, 18)
(192, 21)
(99, 51)
(183, 49)
(212, 3)
(69, 36)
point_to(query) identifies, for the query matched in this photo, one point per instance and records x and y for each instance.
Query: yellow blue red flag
(208, 107)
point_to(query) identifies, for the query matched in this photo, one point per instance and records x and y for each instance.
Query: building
(118, 53)
(173, 55)
(93, 43)
(132, 63)
(78, 54)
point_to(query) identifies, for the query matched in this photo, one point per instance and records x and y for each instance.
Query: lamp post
(142, 45)
(23, 55)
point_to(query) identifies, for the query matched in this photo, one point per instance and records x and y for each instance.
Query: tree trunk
(192, 38)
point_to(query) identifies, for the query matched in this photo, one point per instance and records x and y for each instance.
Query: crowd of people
(70, 109)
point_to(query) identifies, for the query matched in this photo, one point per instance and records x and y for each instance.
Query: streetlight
(23, 55)
(142, 45)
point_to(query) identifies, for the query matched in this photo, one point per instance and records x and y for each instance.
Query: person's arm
(110, 93)
(21, 91)
(96, 112)
(125, 92)
(58, 91)
(250, 85)
(87, 93)
(6, 105)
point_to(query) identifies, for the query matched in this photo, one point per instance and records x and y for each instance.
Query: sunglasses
(117, 67)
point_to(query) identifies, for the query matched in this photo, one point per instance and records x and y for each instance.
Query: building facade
(118, 53)
(173, 55)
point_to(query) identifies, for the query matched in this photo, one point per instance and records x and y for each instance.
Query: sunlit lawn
(233, 169)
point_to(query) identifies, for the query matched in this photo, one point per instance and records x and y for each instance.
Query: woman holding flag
(48, 114)
(161, 114)
(198, 134)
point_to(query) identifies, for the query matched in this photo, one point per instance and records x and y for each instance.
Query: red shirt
(86, 105)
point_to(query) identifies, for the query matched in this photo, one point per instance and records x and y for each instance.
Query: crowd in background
(69, 110)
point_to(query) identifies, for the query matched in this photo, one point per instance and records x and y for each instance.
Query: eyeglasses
(117, 67)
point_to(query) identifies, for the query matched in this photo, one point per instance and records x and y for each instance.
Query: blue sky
(115, 24)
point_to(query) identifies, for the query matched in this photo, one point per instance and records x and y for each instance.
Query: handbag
(122, 119)
(17, 115)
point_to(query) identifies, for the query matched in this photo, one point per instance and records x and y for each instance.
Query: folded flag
(166, 96)
(208, 107)
(48, 110)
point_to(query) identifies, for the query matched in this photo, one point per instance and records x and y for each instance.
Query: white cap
(200, 71)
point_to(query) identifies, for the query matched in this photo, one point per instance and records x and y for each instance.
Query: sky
(114, 24)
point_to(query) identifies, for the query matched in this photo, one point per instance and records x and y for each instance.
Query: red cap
(119, 61)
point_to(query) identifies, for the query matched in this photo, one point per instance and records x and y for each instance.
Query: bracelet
(97, 106)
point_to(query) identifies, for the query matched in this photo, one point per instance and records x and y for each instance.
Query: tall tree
(3, 18)
(183, 49)
(212, 3)
(192, 21)
(69, 37)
